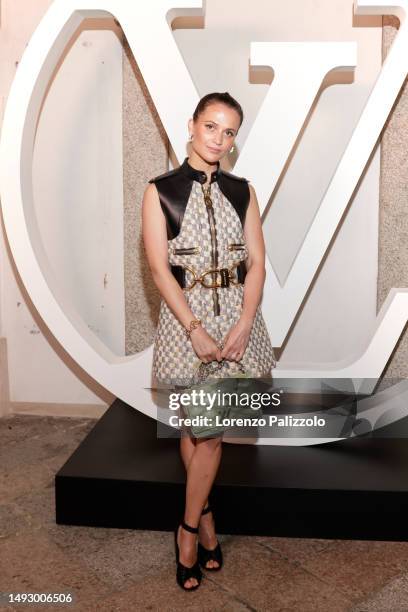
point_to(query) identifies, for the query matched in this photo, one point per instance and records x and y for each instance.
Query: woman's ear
(190, 126)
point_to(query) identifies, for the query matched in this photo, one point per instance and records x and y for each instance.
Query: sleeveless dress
(174, 358)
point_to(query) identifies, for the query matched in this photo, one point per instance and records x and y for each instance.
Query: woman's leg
(201, 472)
(187, 446)
(207, 534)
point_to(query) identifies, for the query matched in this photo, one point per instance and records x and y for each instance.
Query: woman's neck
(200, 164)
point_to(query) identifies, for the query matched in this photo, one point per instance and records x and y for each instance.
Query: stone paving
(126, 570)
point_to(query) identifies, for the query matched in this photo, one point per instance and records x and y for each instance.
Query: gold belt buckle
(227, 277)
(195, 277)
(216, 284)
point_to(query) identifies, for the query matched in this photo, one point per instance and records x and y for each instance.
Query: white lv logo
(174, 95)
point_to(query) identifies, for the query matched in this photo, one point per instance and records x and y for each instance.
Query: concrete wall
(145, 154)
(393, 217)
(5, 407)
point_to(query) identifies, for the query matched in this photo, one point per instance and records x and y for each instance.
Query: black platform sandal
(183, 571)
(206, 554)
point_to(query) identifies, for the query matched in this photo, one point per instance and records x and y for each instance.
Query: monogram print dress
(174, 358)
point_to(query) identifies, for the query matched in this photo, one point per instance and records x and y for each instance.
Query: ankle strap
(207, 509)
(188, 527)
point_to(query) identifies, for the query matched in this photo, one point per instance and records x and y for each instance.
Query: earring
(231, 149)
(191, 137)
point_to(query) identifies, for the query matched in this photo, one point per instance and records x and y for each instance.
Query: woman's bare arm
(255, 277)
(155, 242)
(236, 340)
(154, 234)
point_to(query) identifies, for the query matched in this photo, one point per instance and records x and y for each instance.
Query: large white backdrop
(337, 333)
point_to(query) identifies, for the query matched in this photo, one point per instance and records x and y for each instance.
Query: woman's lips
(214, 150)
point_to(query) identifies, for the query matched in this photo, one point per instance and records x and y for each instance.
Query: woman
(204, 244)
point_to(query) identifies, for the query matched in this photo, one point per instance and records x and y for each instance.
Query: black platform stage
(123, 475)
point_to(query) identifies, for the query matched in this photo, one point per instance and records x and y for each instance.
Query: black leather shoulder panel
(236, 190)
(174, 189)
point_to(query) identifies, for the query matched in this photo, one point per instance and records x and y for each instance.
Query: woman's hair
(225, 98)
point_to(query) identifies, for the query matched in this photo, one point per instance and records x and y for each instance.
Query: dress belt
(209, 278)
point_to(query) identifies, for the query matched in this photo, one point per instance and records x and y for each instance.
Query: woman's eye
(230, 133)
(209, 125)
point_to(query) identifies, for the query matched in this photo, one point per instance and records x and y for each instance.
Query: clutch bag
(203, 415)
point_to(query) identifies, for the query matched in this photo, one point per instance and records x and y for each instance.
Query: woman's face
(214, 131)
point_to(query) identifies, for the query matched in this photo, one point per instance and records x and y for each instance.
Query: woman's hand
(204, 345)
(236, 340)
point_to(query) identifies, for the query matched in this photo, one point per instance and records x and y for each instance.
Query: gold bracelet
(193, 324)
